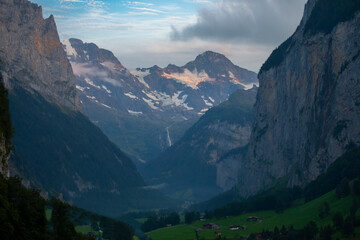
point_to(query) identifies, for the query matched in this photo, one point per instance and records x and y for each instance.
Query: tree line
(156, 222)
(22, 216)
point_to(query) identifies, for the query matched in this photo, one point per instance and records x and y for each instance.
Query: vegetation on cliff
(327, 14)
(6, 130)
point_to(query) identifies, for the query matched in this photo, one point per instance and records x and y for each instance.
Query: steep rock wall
(308, 106)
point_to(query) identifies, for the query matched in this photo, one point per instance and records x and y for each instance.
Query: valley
(126, 120)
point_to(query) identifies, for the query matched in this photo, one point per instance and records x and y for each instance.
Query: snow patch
(167, 100)
(130, 95)
(191, 79)
(211, 99)
(91, 97)
(140, 77)
(106, 89)
(150, 103)
(91, 83)
(207, 103)
(80, 88)
(134, 112)
(105, 105)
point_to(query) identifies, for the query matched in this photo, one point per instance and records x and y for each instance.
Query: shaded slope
(65, 153)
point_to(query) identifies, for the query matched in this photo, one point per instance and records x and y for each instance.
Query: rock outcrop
(307, 111)
(32, 55)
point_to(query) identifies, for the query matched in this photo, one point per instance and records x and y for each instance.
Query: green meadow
(297, 216)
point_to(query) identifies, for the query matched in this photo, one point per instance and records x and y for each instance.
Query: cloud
(161, 53)
(73, 1)
(85, 70)
(134, 3)
(249, 21)
(147, 9)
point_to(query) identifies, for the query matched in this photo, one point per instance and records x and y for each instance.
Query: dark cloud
(251, 21)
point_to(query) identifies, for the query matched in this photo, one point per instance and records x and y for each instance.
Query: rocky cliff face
(307, 111)
(194, 167)
(58, 149)
(42, 66)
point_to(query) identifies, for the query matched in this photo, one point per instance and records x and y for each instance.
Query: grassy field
(141, 220)
(297, 216)
(84, 229)
(48, 213)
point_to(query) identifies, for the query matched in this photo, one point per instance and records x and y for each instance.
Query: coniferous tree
(326, 232)
(310, 230)
(343, 189)
(63, 227)
(338, 220)
(276, 231)
(190, 217)
(348, 226)
(356, 187)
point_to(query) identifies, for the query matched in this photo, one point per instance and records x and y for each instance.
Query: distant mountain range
(57, 148)
(146, 110)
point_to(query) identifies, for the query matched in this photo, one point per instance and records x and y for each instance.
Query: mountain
(147, 110)
(307, 112)
(193, 168)
(57, 148)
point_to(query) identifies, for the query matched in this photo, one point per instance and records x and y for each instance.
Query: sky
(144, 33)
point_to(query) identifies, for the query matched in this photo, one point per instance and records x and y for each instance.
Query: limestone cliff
(32, 55)
(307, 111)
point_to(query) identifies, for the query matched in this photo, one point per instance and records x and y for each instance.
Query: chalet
(254, 219)
(243, 227)
(233, 227)
(209, 226)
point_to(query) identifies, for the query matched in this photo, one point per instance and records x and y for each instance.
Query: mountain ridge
(163, 101)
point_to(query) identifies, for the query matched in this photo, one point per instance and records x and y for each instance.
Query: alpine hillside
(146, 110)
(57, 148)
